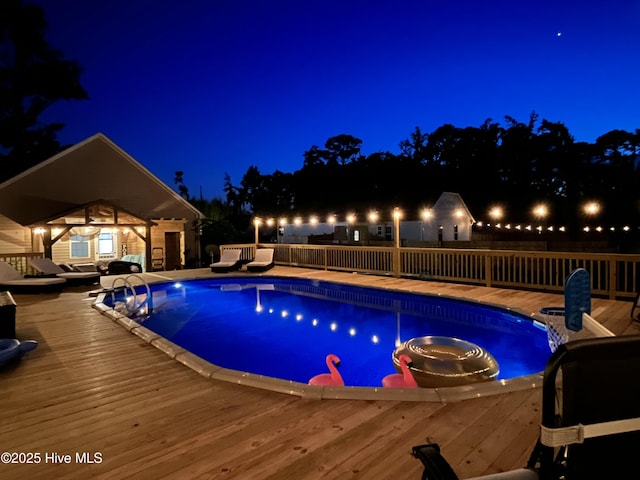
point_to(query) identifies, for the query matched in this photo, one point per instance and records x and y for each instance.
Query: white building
(448, 220)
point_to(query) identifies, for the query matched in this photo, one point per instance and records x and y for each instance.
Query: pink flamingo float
(401, 380)
(333, 378)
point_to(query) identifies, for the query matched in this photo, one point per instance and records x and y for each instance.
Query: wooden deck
(91, 387)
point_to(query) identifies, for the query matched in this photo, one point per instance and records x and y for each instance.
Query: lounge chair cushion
(262, 261)
(229, 260)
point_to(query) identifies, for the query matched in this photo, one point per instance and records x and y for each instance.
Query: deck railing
(612, 275)
(20, 261)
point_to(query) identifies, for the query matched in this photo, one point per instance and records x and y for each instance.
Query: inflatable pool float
(11, 348)
(446, 361)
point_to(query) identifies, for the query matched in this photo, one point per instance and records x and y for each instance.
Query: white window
(79, 246)
(105, 244)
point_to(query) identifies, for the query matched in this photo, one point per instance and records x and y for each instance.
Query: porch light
(426, 214)
(282, 221)
(313, 220)
(270, 222)
(331, 219)
(351, 218)
(373, 216)
(297, 221)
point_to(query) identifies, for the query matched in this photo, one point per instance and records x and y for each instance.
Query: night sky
(215, 86)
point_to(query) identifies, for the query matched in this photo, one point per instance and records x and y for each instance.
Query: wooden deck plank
(91, 386)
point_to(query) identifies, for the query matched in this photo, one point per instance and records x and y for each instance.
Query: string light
(541, 211)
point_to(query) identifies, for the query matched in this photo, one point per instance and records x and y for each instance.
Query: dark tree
(182, 188)
(33, 76)
(232, 193)
(342, 148)
(314, 156)
(415, 147)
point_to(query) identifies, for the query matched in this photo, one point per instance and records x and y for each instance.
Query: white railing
(612, 275)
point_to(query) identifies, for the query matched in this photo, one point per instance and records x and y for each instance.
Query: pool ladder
(134, 303)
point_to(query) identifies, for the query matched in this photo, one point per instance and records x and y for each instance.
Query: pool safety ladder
(134, 303)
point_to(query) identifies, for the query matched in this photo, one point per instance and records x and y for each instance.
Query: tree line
(515, 165)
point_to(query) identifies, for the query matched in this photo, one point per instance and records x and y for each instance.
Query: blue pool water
(284, 328)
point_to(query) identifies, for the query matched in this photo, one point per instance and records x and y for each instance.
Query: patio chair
(229, 261)
(13, 281)
(263, 260)
(590, 415)
(46, 268)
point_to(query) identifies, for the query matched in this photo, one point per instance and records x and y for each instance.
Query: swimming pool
(284, 327)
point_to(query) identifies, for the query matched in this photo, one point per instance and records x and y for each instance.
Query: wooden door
(172, 250)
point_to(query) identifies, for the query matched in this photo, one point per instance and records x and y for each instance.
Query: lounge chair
(229, 260)
(263, 260)
(13, 281)
(46, 268)
(590, 424)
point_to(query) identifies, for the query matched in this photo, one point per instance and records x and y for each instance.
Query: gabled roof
(449, 202)
(94, 169)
